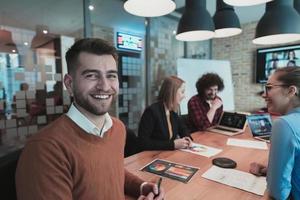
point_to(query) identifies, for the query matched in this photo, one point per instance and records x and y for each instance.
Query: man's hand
(216, 103)
(258, 169)
(149, 191)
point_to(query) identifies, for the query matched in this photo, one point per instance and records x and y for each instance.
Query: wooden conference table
(198, 187)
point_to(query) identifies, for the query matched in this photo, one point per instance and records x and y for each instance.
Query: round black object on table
(224, 162)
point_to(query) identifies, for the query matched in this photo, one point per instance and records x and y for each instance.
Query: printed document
(176, 171)
(202, 150)
(247, 143)
(238, 179)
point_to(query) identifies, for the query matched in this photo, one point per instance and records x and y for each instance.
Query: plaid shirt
(197, 114)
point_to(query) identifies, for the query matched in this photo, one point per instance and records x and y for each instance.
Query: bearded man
(205, 108)
(80, 155)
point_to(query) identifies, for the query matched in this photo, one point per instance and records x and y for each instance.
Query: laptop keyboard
(224, 129)
(267, 137)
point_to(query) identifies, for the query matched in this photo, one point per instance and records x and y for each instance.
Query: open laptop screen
(233, 120)
(260, 124)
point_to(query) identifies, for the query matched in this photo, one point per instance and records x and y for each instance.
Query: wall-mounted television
(269, 59)
(129, 42)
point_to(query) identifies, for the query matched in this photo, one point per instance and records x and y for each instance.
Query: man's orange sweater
(64, 162)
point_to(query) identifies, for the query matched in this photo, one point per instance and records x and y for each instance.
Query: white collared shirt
(86, 124)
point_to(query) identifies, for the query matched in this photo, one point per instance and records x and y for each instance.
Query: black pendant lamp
(226, 21)
(245, 2)
(7, 44)
(42, 37)
(149, 8)
(196, 23)
(280, 24)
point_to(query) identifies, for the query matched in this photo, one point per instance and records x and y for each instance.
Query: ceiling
(245, 13)
(65, 16)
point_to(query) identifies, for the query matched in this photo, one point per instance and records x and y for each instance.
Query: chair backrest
(8, 165)
(185, 121)
(132, 145)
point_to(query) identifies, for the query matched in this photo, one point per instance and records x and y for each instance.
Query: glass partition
(34, 36)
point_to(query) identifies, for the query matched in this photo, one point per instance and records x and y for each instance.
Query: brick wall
(240, 51)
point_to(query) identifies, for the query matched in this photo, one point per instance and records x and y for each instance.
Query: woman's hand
(258, 169)
(182, 143)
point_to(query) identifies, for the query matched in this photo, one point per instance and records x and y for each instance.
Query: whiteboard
(190, 70)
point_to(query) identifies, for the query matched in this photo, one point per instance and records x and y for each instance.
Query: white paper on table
(247, 143)
(238, 179)
(202, 150)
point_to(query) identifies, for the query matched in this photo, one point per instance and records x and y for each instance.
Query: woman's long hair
(168, 91)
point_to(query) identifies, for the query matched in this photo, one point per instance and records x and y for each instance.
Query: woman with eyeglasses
(283, 171)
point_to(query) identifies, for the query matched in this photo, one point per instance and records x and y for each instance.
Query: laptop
(260, 126)
(230, 123)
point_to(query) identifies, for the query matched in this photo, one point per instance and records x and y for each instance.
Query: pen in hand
(158, 185)
(189, 140)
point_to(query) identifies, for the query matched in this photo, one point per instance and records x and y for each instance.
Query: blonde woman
(160, 127)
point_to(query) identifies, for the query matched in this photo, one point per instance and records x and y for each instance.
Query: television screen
(269, 59)
(129, 42)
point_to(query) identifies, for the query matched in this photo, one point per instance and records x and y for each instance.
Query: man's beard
(210, 97)
(96, 109)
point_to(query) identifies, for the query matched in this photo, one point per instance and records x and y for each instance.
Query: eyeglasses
(268, 87)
